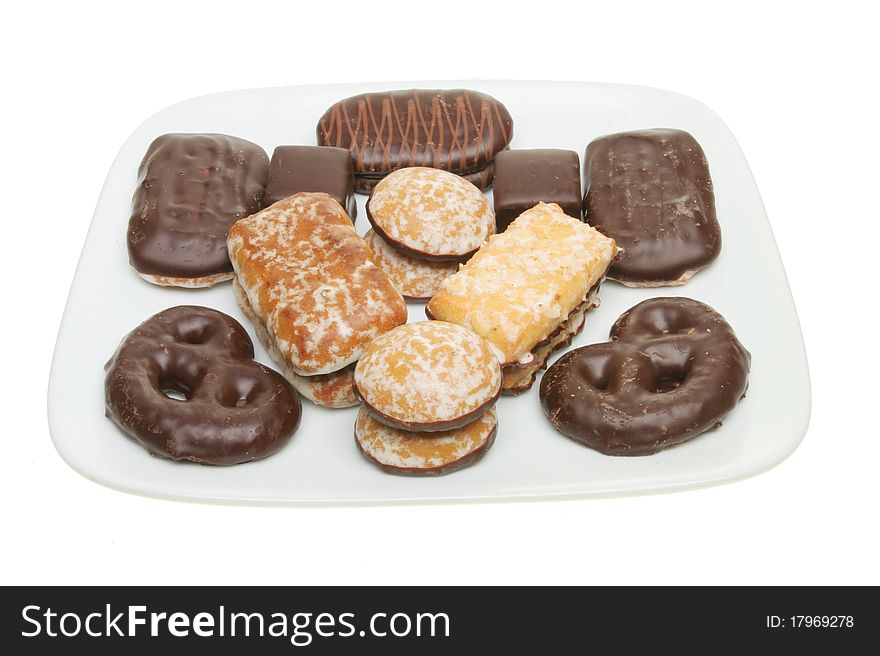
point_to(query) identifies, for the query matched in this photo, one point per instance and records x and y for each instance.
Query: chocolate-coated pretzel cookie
(672, 370)
(184, 385)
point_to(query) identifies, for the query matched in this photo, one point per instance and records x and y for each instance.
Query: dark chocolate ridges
(457, 130)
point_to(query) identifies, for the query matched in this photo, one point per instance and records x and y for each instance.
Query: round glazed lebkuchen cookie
(672, 370)
(414, 278)
(398, 451)
(185, 386)
(431, 214)
(427, 376)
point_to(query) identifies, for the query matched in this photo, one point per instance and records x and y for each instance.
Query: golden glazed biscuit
(527, 289)
(416, 279)
(311, 282)
(398, 451)
(429, 213)
(428, 376)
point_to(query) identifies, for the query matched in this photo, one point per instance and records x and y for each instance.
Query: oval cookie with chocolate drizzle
(457, 130)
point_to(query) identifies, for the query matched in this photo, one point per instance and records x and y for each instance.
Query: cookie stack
(427, 393)
(425, 222)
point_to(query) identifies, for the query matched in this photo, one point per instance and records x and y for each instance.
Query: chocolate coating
(672, 370)
(426, 426)
(442, 470)
(457, 130)
(524, 178)
(437, 463)
(191, 189)
(312, 168)
(427, 376)
(651, 191)
(230, 409)
(430, 214)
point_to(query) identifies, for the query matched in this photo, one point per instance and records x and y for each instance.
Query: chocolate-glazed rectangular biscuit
(312, 168)
(457, 130)
(651, 191)
(191, 189)
(524, 178)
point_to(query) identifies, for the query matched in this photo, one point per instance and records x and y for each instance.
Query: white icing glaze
(312, 281)
(402, 449)
(333, 390)
(426, 372)
(432, 211)
(414, 278)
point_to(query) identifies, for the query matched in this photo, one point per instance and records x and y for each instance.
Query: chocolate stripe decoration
(456, 130)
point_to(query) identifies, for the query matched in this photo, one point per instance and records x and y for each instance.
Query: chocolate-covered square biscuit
(524, 178)
(191, 189)
(651, 191)
(313, 169)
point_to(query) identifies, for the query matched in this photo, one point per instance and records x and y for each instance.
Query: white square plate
(321, 464)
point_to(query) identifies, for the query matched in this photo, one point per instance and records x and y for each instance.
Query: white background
(797, 83)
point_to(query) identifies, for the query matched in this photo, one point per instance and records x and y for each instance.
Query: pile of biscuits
(507, 284)
(425, 222)
(427, 391)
